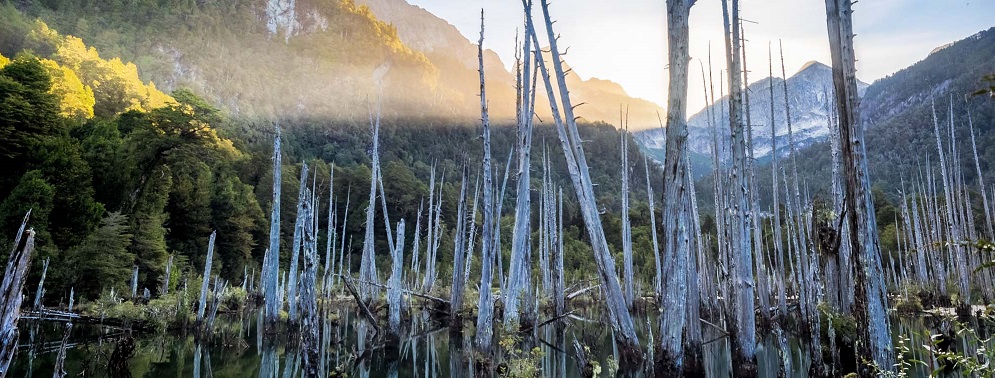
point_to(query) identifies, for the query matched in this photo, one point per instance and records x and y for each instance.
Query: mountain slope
(453, 54)
(898, 116)
(254, 57)
(808, 90)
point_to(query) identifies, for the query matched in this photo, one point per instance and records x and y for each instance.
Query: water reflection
(349, 346)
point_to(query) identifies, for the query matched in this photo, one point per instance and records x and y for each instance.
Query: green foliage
(31, 193)
(76, 100)
(910, 305)
(28, 114)
(520, 364)
(75, 213)
(147, 223)
(171, 169)
(103, 254)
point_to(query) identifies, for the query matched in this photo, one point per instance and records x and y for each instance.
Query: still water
(239, 349)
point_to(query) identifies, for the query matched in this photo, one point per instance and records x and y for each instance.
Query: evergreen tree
(103, 254)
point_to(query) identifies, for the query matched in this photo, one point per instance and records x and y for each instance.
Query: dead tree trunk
(394, 285)
(310, 322)
(626, 226)
(14, 276)
(621, 320)
(520, 248)
(658, 284)
(165, 280)
(40, 293)
(674, 212)
(206, 281)
(870, 293)
(368, 263)
(295, 250)
(271, 261)
(743, 324)
(459, 254)
(485, 306)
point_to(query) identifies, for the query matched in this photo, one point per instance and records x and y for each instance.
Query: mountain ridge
(808, 89)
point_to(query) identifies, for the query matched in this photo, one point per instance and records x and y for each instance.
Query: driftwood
(550, 320)
(580, 292)
(408, 292)
(362, 305)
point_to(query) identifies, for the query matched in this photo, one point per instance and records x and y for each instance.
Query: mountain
(897, 112)
(305, 58)
(255, 58)
(455, 55)
(808, 90)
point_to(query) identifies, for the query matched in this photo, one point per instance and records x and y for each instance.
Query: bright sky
(625, 40)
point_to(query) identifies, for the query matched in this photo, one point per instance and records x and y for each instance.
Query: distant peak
(938, 48)
(812, 64)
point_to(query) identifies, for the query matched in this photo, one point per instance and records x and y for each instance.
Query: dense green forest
(119, 174)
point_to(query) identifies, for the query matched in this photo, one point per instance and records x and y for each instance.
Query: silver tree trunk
(864, 236)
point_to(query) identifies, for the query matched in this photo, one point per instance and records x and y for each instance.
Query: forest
(155, 211)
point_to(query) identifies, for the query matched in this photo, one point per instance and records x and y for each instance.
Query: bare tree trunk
(205, 281)
(459, 254)
(394, 289)
(778, 246)
(743, 326)
(40, 293)
(415, 262)
(326, 274)
(271, 261)
(626, 227)
(520, 247)
(870, 294)
(621, 320)
(295, 250)
(368, 263)
(18, 265)
(558, 284)
(485, 306)
(342, 249)
(134, 282)
(658, 284)
(308, 305)
(497, 225)
(674, 212)
(165, 280)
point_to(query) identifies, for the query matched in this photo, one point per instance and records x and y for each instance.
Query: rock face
(809, 91)
(281, 17)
